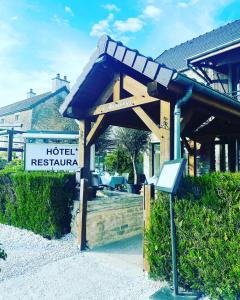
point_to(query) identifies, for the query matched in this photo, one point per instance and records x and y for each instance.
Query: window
(16, 117)
(2, 121)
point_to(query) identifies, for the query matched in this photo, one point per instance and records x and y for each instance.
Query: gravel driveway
(37, 268)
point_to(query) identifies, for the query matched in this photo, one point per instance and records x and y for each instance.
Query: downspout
(177, 121)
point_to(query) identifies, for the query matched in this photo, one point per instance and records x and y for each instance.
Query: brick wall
(113, 216)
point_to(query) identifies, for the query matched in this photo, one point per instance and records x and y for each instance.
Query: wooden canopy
(122, 87)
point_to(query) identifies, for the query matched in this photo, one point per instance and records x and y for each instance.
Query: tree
(119, 161)
(134, 142)
(104, 142)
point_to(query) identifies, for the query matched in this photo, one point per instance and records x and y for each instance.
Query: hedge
(38, 201)
(207, 216)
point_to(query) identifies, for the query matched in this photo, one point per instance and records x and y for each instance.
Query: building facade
(214, 60)
(37, 113)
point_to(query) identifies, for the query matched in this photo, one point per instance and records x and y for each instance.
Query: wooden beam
(95, 130)
(125, 103)
(148, 122)
(134, 87)
(117, 88)
(165, 131)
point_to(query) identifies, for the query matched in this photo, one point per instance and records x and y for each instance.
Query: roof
(111, 55)
(29, 102)
(177, 57)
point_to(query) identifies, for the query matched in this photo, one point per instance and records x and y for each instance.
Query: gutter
(177, 121)
(204, 90)
(215, 51)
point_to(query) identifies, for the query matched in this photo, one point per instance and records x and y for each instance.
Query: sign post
(168, 181)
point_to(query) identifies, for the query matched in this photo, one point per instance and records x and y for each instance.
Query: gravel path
(37, 268)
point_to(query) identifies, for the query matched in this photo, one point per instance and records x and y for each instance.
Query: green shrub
(208, 235)
(14, 165)
(3, 162)
(38, 201)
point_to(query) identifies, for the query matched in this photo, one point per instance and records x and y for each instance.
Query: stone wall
(22, 117)
(46, 115)
(113, 216)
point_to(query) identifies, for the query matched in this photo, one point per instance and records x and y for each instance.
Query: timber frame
(121, 87)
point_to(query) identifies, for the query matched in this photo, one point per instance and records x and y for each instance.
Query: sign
(170, 175)
(51, 157)
(168, 181)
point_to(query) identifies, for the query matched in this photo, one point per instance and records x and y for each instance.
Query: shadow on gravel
(130, 246)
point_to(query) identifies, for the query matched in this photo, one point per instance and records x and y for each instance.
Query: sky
(40, 38)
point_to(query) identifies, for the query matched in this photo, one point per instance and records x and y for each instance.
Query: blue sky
(41, 38)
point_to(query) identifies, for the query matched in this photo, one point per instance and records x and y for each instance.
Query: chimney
(30, 94)
(59, 82)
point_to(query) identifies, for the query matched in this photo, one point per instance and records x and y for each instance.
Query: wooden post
(148, 195)
(212, 157)
(165, 131)
(222, 157)
(82, 216)
(84, 150)
(10, 144)
(84, 164)
(192, 159)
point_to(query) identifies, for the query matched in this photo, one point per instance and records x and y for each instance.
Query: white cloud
(59, 20)
(152, 12)
(130, 25)
(69, 11)
(66, 55)
(9, 39)
(111, 7)
(102, 27)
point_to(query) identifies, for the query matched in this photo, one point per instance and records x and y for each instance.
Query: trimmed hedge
(207, 216)
(38, 201)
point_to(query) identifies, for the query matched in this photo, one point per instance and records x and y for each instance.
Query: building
(121, 87)
(187, 98)
(38, 112)
(213, 59)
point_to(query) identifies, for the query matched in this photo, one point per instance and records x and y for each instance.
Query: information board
(170, 175)
(51, 157)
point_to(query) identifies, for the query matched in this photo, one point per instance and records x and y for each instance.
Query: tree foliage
(119, 161)
(134, 143)
(105, 142)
